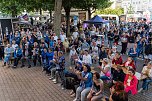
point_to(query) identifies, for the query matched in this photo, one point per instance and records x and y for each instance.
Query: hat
(79, 63)
(106, 60)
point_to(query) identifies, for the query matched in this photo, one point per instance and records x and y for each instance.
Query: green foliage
(117, 11)
(94, 4)
(12, 7)
(130, 9)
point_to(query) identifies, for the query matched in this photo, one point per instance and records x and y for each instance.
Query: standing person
(116, 37)
(62, 36)
(131, 82)
(124, 42)
(85, 84)
(146, 76)
(110, 38)
(66, 45)
(102, 55)
(87, 58)
(96, 92)
(131, 41)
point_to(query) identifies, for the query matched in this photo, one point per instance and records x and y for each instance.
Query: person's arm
(125, 81)
(101, 89)
(106, 70)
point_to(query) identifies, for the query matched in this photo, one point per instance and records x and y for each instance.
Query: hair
(97, 75)
(119, 86)
(132, 70)
(150, 63)
(118, 53)
(88, 68)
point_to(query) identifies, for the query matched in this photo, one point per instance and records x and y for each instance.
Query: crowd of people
(86, 47)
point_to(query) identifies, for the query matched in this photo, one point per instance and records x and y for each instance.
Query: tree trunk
(40, 14)
(50, 12)
(67, 12)
(57, 16)
(89, 14)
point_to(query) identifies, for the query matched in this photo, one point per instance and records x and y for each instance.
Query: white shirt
(87, 59)
(72, 52)
(104, 67)
(56, 38)
(145, 69)
(14, 46)
(75, 35)
(62, 37)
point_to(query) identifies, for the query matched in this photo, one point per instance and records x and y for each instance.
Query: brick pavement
(31, 84)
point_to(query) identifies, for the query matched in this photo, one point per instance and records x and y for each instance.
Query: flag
(25, 17)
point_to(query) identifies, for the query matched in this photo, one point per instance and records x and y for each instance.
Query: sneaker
(29, 66)
(51, 78)
(22, 66)
(54, 80)
(73, 95)
(75, 99)
(62, 88)
(140, 90)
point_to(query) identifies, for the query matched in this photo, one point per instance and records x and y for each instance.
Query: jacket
(133, 85)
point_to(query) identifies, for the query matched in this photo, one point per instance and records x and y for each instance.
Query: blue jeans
(146, 82)
(104, 78)
(82, 93)
(110, 43)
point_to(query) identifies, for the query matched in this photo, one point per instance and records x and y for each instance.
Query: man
(146, 76)
(17, 56)
(27, 53)
(87, 60)
(62, 36)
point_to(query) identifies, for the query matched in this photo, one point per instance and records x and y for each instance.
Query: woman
(131, 82)
(85, 84)
(146, 76)
(124, 42)
(66, 44)
(105, 73)
(129, 63)
(97, 88)
(118, 93)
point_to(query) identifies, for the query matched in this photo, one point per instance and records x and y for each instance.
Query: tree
(67, 5)
(130, 9)
(57, 16)
(12, 7)
(117, 11)
(92, 5)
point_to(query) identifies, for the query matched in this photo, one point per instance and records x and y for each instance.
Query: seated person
(105, 73)
(17, 56)
(117, 93)
(129, 63)
(96, 92)
(131, 82)
(146, 76)
(72, 74)
(118, 75)
(8, 53)
(117, 60)
(85, 83)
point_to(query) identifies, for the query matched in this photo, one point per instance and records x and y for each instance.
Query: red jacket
(132, 64)
(133, 85)
(118, 61)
